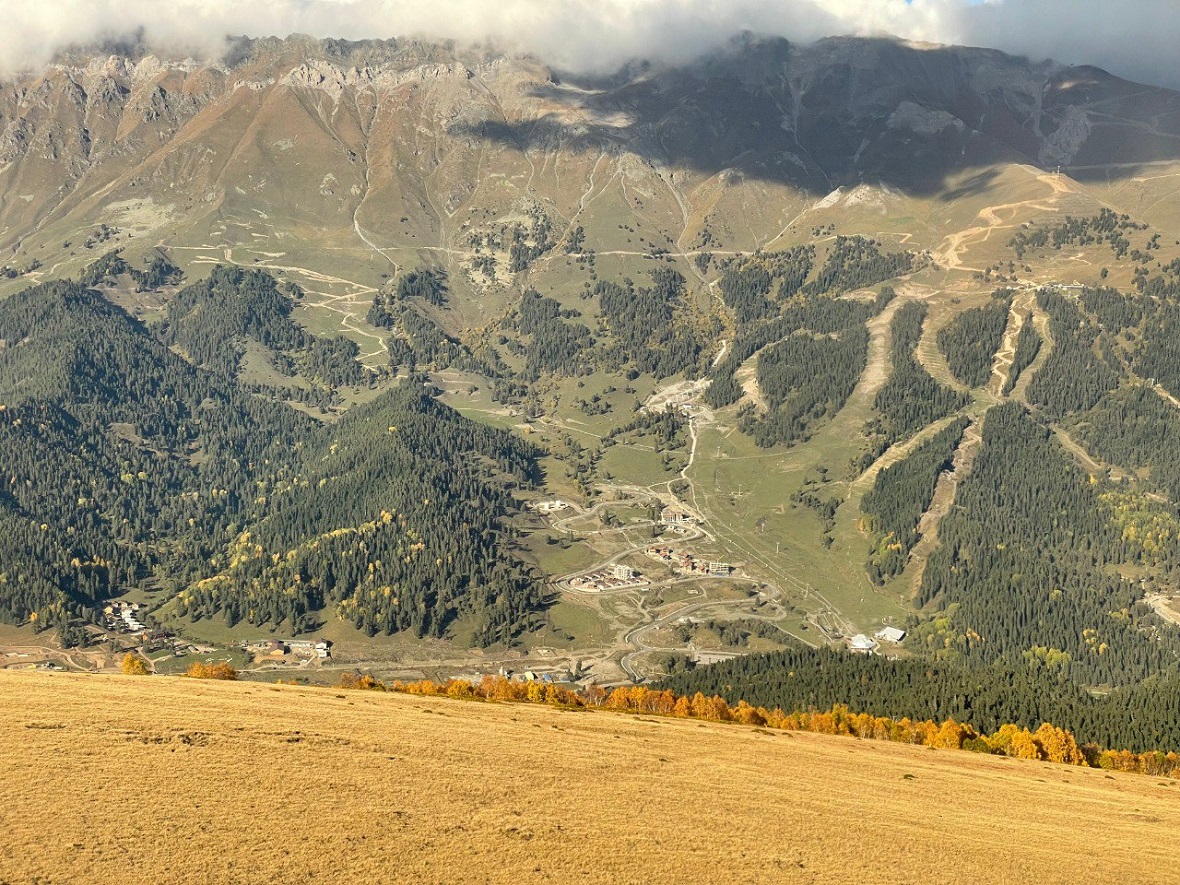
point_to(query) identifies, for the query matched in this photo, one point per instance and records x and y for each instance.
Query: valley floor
(114, 779)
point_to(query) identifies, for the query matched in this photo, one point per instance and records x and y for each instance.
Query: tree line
(106, 269)
(805, 379)
(1046, 742)
(823, 315)
(1026, 566)
(1107, 226)
(210, 320)
(1028, 345)
(746, 282)
(392, 520)
(654, 324)
(427, 284)
(857, 263)
(1078, 371)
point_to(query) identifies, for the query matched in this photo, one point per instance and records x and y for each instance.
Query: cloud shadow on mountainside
(846, 111)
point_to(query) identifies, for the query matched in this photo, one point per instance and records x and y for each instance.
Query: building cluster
(890, 634)
(686, 564)
(862, 645)
(613, 577)
(678, 514)
(555, 506)
(279, 648)
(712, 656)
(123, 617)
(865, 645)
(21, 661)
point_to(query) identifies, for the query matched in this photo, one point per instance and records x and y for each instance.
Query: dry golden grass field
(169, 780)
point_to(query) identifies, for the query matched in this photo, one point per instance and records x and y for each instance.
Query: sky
(1137, 39)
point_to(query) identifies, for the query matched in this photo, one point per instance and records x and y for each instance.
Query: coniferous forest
(172, 472)
(1144, 717)
(911, 399)
(1028, 608)
(1076, 374)
(1028, 345)
(127, 465)
(1023, 566)
(900, 495)
(971, 340)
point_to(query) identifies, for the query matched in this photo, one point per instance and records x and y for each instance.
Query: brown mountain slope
(350, 159)
(105, 779)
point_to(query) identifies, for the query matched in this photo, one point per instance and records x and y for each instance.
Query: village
(619, 576)
(126, 627)
(123, 620)
(687, 564)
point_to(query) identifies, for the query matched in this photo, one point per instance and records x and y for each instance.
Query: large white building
(861, 644)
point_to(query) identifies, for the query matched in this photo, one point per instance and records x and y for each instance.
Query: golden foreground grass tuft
(114, 779)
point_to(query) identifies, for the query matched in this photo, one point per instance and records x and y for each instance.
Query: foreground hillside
(179, 780)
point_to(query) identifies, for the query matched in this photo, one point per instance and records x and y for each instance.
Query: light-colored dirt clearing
(124, 779)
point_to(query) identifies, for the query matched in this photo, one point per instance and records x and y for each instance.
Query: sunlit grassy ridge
(102, 779)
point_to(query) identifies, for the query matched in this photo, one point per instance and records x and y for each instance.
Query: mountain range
(380, 155)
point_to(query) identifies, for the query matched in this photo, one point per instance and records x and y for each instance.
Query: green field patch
(626, 464)
(745, 495)
(170, 665)
(574, 625)
(556, 554)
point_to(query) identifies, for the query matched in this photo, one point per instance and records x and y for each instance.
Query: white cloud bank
(1133, 38)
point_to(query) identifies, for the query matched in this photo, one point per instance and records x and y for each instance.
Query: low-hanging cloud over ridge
(1132, 39)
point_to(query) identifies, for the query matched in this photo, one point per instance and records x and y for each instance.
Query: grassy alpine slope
(183, 780)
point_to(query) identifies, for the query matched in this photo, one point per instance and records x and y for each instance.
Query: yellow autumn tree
(360, 681)
(748, 715)
(1024, 746)
(950, 735)
(1059, 745)
(222, 670)
(134, 665)
(1048, 743)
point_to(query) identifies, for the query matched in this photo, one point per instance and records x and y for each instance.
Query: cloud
(1136, 39)
(599, 35)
